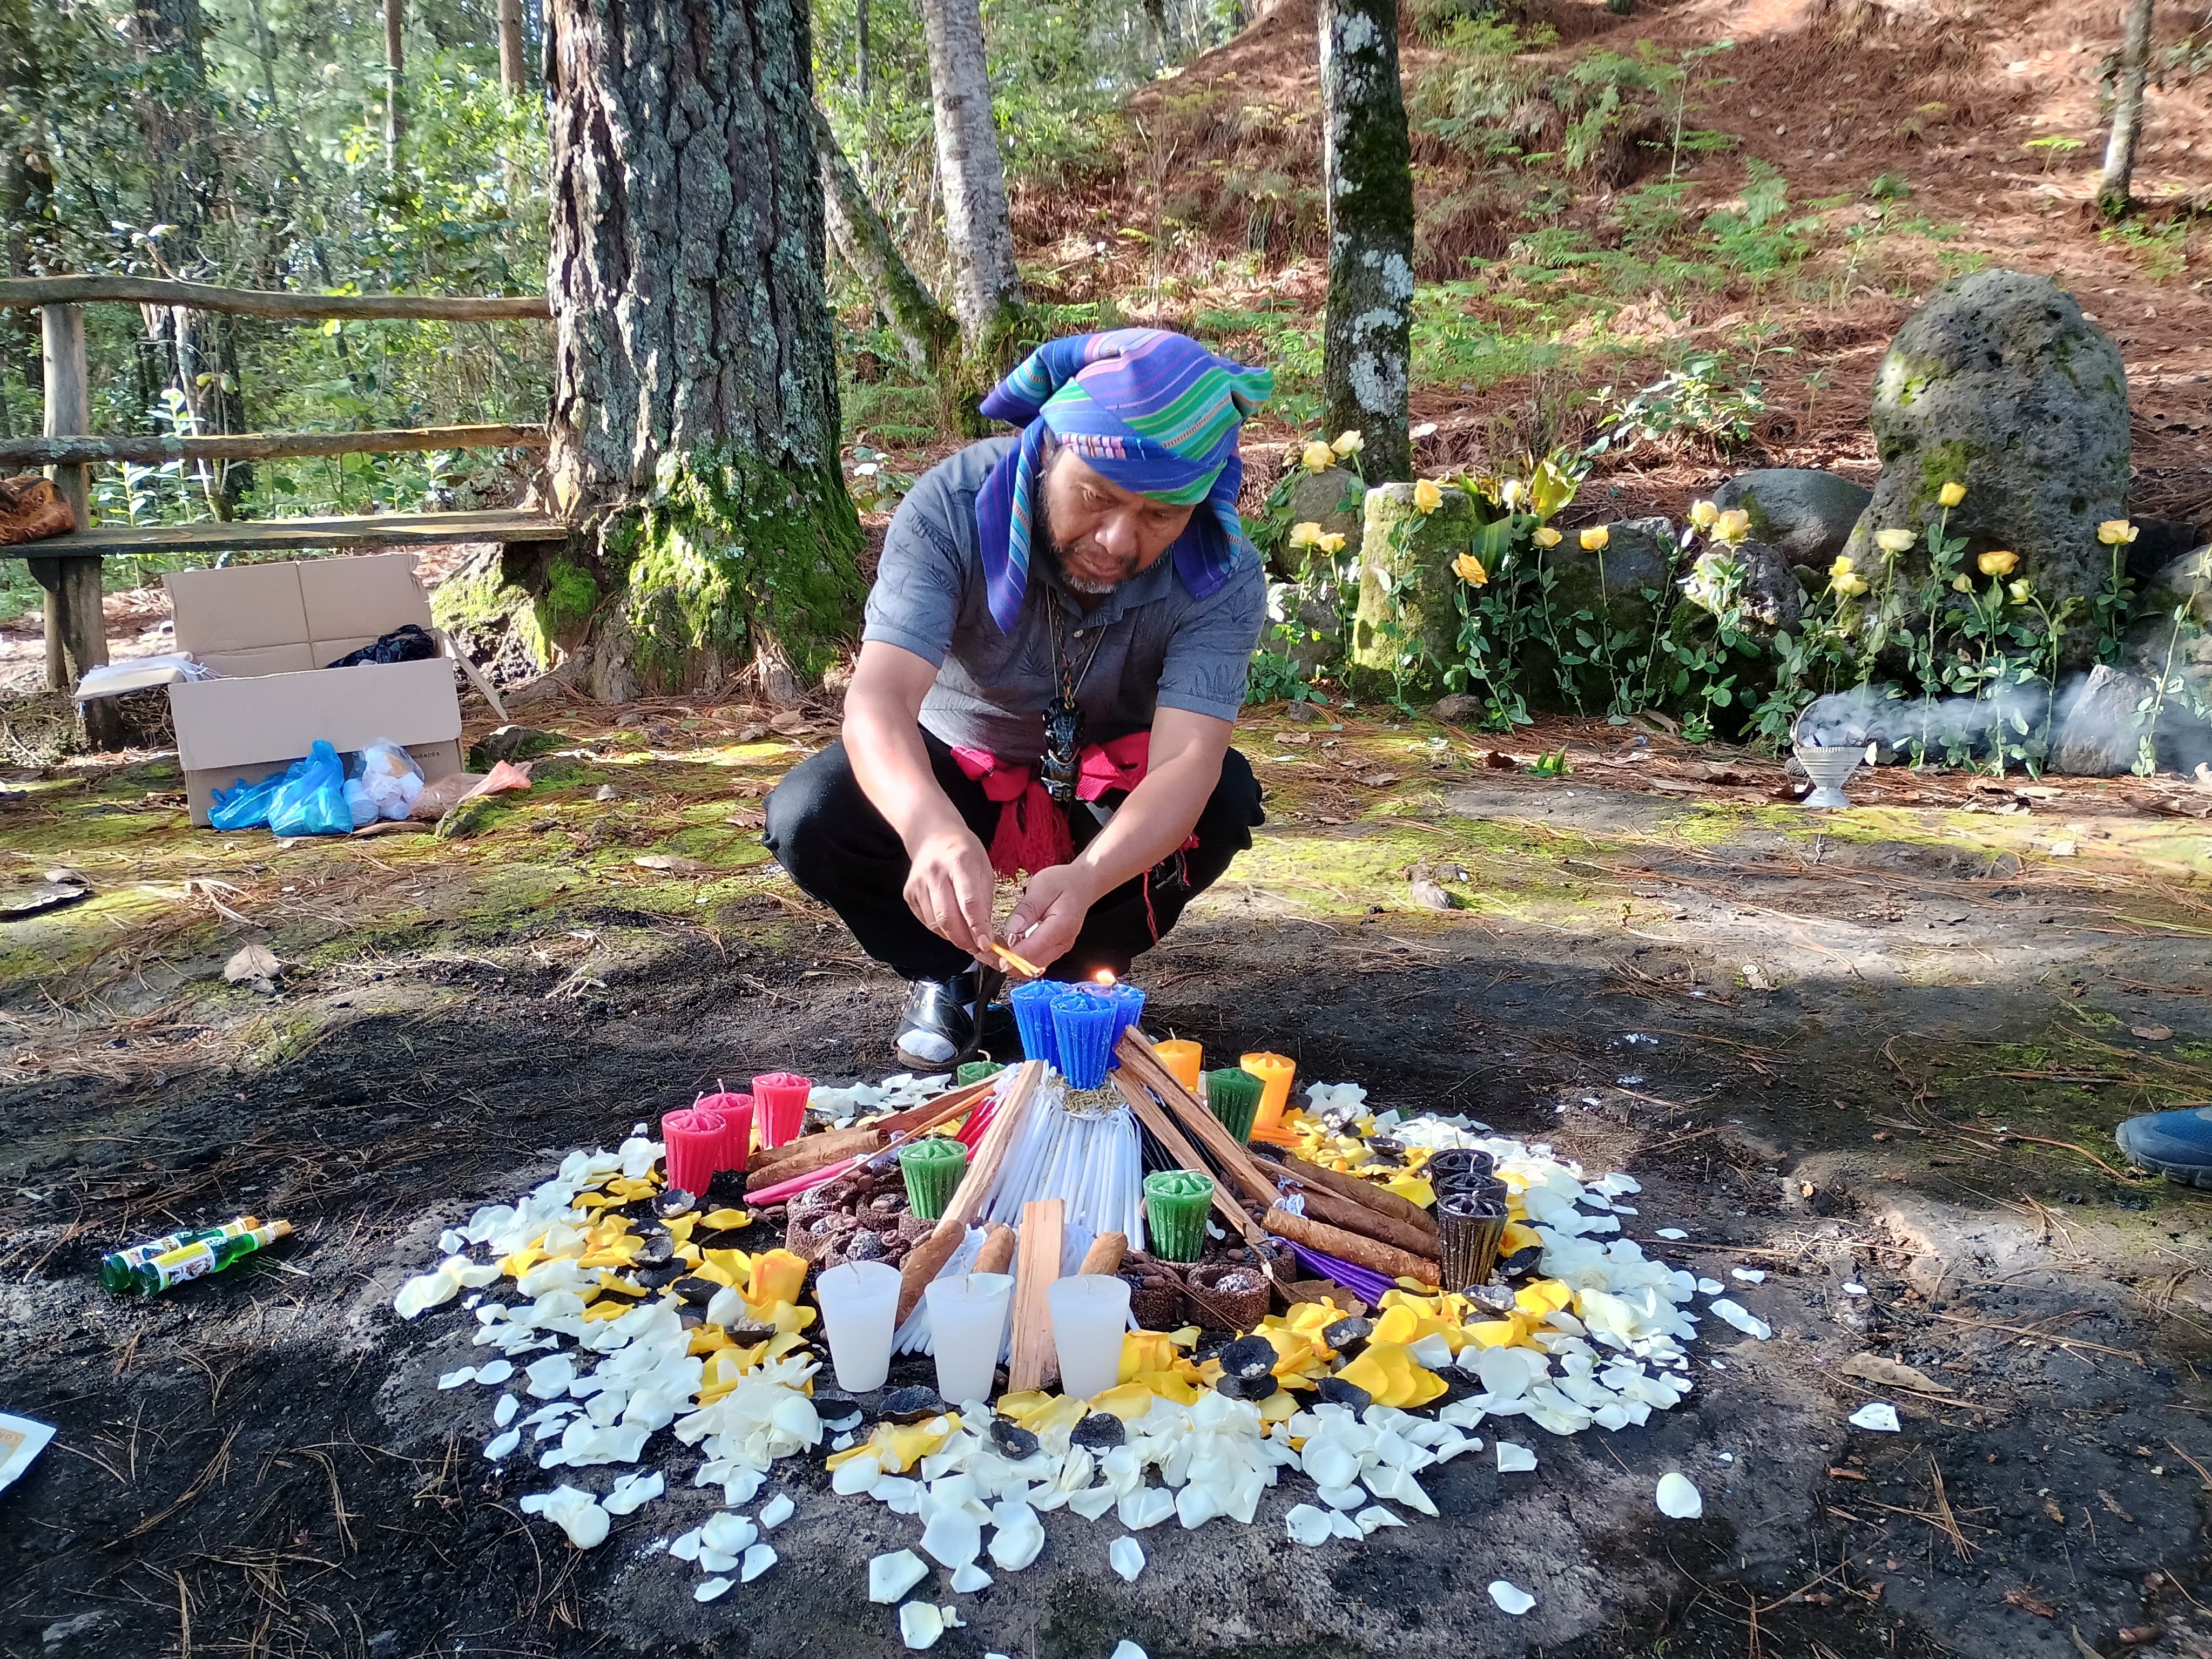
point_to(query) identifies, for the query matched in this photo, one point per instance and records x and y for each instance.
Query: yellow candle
(1275, 1072)
(1183, 1059)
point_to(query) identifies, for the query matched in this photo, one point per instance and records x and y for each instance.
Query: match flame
(1105, 976)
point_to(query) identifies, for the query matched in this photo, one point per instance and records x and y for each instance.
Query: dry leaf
(1430, 896)
(674, 863)
(252, 962)
(2051, 1508)
(1873, 1367)
(1380, 780)
(1498, 761)
(746, 818)
(2017, 1597)
(2152, 1033)
(791, 722)
(2113, 1504)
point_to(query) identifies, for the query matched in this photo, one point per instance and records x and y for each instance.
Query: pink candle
(736, 1111)
(780, 1106)
(694, 1141)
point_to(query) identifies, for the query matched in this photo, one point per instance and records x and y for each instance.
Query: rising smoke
(2096, 724)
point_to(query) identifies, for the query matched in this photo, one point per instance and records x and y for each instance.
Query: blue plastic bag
(244, 805)
(311, 801)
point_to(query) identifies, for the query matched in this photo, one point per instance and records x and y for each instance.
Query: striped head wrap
(1151, 411)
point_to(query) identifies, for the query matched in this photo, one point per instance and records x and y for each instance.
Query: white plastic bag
(389, 779)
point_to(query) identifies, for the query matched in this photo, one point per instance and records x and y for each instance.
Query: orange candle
(1183, 1059)
(1275, 1072)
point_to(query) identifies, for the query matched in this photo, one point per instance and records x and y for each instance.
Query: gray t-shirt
(1157, 647)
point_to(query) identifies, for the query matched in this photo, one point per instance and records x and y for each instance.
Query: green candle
(932, 1167)
(1175, 1203)
(1233, 1096)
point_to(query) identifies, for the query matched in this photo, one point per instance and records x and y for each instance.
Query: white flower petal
(710, 1589)
(1679, 1498)
(1510, 1598)
(1126, 1557)
(1878, 1415)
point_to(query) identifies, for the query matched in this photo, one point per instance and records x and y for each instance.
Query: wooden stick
(1355, 1248)
(1022, 963)
(1105, 1253)
(1035, 1361)
(1152, 1117)
(998, 1252)
(1227, 1151)
(771, 1165)
(948, 1105)
(927, 1259)
(1381, 1200)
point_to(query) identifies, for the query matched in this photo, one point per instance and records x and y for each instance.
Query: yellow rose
(1703, 514)
(1894, 541)
(2116, 533)
(1468, 569)
(1511, 492)
(1427, 498)
(1952, 493)
(1847, 584)
(1305, 535)
(1545, 536)
(1595, 539)
(1733, 526)
(1332, 542)
(1348, 443)
(2018, 590)
(1997, 562)
(1842, 567)
(1963, 584)
(1317, 457)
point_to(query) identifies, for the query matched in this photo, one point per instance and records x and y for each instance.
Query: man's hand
(951, 886)
(1052, 912)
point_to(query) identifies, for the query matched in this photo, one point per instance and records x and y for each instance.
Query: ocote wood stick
(1355, 1248)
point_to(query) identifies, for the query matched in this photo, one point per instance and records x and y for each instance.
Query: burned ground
(1885, 1048)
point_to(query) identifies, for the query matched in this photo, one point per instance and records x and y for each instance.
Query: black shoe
(940, 1027)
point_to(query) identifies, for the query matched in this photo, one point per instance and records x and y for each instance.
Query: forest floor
(1885, 1047)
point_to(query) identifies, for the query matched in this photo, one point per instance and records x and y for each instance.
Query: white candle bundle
(1088, 1160)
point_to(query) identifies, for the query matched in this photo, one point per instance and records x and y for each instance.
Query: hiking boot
(942, 1024)
(2177, 1144)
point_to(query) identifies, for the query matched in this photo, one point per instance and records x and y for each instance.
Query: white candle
(967, 1319)
(860, 1308)
(1089, 1311)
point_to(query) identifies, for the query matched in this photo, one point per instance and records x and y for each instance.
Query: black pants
(841, 850)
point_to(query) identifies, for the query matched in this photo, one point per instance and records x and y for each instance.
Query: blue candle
(1033, 1003)
(1084, 1026)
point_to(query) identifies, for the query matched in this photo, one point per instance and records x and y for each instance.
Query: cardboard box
(267, 629)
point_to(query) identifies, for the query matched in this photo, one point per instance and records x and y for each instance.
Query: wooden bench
(68, 566)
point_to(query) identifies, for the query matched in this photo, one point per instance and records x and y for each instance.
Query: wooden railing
(68, 568)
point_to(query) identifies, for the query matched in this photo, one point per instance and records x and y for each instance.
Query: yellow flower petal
(728, 1220)
(1952, 494)
(777, 1276)
(1427, 498)
(1597, 539)
(1545, 536)
(1998, 562)
(1317, 457)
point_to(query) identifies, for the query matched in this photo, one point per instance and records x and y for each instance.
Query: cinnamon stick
(1355, 1248)
(930, 1113)
(1324, 1206)
(1381, 1200)
(772, 1166)
(1105, 1253)
(998, 1252)
(1225, 1149)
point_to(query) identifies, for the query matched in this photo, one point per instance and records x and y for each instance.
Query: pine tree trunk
(2115, 187)
(27, 199)
(922, 327)
(986, 290)
(860, 55)
(512, 79)
(1367, 341)
(695, 417)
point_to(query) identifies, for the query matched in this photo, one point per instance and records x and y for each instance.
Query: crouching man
(1055, 652)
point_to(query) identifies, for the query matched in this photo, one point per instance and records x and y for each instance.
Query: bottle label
(193, 1261)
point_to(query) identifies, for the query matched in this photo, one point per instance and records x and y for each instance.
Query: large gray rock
(1613, 589)
(1804, 514)
(2000, 383)
(2101, 724)
(1334, 499)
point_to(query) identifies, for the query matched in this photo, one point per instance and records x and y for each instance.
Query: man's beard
(1058, 555)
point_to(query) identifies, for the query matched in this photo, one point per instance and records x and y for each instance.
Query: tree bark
(922, 328)
(860, 21)
(513, 80)
(2115, 188)
(26, 195)
(986, 290)
(1367, 343)
(395, 77)
(694, 421)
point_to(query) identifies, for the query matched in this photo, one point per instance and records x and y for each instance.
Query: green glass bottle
(115, 1267)
(207, 1256)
